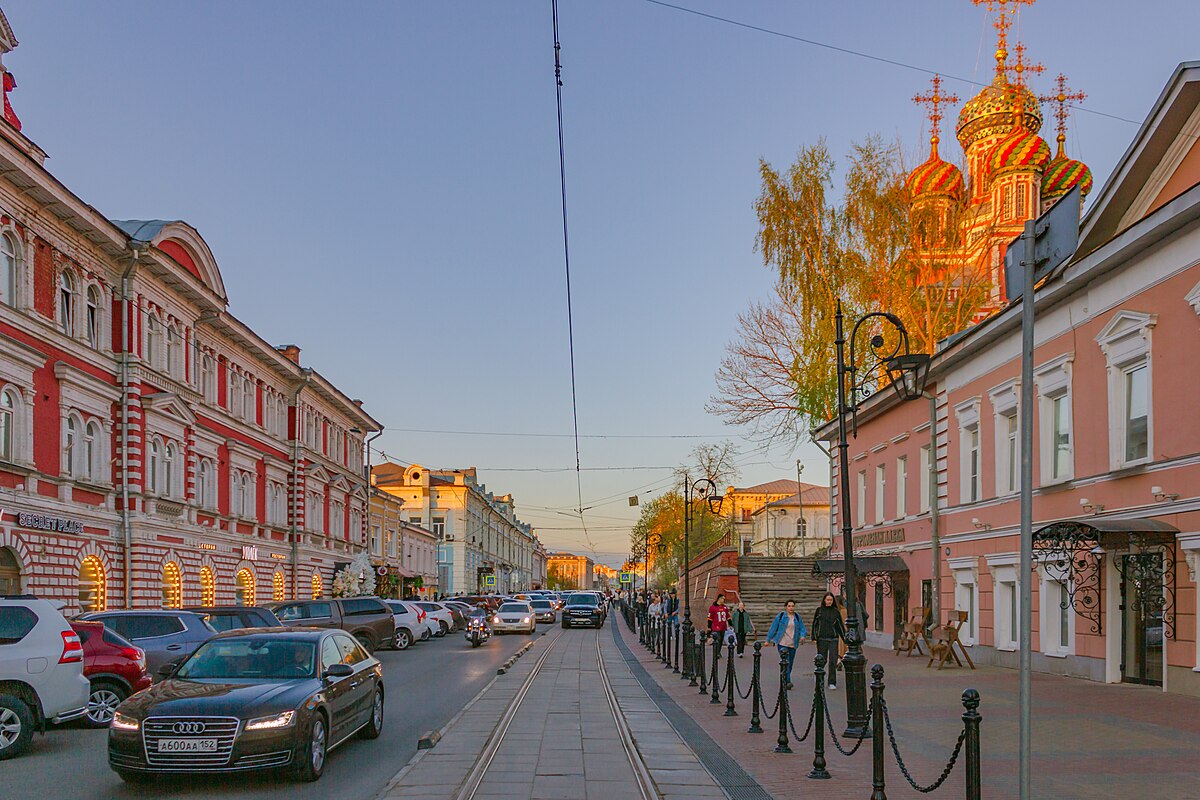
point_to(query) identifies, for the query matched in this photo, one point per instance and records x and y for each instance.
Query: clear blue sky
(379, 182)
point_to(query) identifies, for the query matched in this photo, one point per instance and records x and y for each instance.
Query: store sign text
(888, 536)
(42, 522)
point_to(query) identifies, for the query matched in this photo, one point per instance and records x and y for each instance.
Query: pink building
(1116, 448)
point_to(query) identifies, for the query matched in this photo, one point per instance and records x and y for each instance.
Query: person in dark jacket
(828, 630)
(742, 626)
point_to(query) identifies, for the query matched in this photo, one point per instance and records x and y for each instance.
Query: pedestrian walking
(742, 626)
(673, 608)
(829, 631)
(786, 633)
(656, 609)
(718, 616)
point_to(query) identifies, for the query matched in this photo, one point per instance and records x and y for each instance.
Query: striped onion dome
(1022, 149)
(1064, 174)
(935, 178)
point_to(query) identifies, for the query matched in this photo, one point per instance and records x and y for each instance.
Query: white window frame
(1006, 600)
(1005, 400)
(1053, 382)
(901, 487)
(880, 493)
(93, 318)
(155, 343)
(925, 479)
(68, 293)
(861, 500)
(1126, 344)
(966, 595)
(970, 451)
(72, 445)
(10, 269)
(1050, 594)
(206, 472)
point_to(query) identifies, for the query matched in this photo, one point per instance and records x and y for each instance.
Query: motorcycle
(477, 632)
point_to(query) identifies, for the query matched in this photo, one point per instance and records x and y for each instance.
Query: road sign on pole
(626, 577)
(1046, 243)
(489, 581)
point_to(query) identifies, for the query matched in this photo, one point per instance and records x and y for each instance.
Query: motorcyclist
(481, 613)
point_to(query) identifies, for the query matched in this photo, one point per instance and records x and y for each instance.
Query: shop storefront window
(172, 586)
(244, 588)
(208, 587)
(93, 585)
(277, 585)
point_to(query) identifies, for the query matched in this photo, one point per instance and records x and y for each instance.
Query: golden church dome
(1021, 149)
(991, 112)
(1064, 174)
(935, 178)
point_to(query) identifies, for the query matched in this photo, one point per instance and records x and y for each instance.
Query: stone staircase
(766, 583)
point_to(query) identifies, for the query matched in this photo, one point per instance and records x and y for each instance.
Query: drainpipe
(297, 497)
(934, 533)
(126, 529)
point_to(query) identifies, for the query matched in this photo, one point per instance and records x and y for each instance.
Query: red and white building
(1116, 446)
(154, 450)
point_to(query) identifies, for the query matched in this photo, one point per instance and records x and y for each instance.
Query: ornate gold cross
(1061, 99)
(933, 101)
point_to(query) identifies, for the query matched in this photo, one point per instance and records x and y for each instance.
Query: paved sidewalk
(1114, 742)
(563, 743)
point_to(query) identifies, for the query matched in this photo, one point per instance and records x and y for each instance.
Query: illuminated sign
(250, 552)
(206, 546)
(278, 556)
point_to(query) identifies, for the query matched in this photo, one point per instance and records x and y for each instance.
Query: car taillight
(134, 654)
(72, 650)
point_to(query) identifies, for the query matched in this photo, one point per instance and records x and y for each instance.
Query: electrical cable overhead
(563, 435)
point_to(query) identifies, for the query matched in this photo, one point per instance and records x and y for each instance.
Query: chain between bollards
(755, 691)
(730, 684)
(818, 771)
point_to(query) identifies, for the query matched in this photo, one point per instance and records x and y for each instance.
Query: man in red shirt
(718, 617)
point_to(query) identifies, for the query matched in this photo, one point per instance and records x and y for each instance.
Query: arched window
(268, 413)
(8, 270)
(94, 439)
(66, 303)
(248, 399)
(208, 383)
(70, 447)
(153, 466)
(204, 484)
(168, 471)
(154, 342)
(318, 587)
(172, 586)
(281, 415)
(277, 587)
(208, 587)
(801, 527)
(244, 588)
(10, 571)
(93, 585)
(9, 408)
(247, 509)
(174, 351)
(87, 460)
(93, 317)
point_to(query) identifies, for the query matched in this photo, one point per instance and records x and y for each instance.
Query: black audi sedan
(251, 699)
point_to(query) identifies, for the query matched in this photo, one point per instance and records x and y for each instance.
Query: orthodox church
(1011, 175)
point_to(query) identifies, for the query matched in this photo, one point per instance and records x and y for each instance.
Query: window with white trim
(923, 467)
(966, 595)
(1006, 600)
(861, 500)
(208, 377)
(248, 405)
(970, 477)
(71, 447)
(174, 352)
(206, 484)
(93, 444)
(154, 341)
(10, 404)
(9, 270)
(901, 487)
(337, 518)
(153, 466)
(66, 303)
(1057, 616)
(314, 513)
(94, 317)
(880, 492)
(1125, 342)
(170, 470)
(244, 495)
(1055, 432)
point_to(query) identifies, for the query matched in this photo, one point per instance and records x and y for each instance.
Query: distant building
(755, 527)
(569, 571)
(605, 577)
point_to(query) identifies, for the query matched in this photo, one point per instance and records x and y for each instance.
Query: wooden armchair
(912, 634)
(947, 644)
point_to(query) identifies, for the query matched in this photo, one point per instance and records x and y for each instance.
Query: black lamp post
(907, 373)
(703, 489)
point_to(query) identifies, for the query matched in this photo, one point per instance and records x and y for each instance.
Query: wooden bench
(946, 641)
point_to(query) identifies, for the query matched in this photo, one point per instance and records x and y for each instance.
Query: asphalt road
(426, 686)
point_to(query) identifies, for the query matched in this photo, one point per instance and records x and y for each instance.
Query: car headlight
(526, 620)
(272, 722)
(124, 722)
(495, 619)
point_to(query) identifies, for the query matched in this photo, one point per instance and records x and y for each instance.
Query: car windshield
(541, 604)
(583, 600)
(514, 608)
(259, 658)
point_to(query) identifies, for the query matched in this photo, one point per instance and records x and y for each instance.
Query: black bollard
(701, 649)
(716, 670)
(730, 685)
(818, 772)
(677, 637)
(877, 787)
(755, 691)
(689, 654)
(666, 643)
(781, 745)
(971, 718)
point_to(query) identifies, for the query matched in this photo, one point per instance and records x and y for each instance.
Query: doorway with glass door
(1142, 618)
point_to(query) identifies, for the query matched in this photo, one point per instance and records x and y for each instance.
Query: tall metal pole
(854, 661)
(689, 667)
(1024, 693)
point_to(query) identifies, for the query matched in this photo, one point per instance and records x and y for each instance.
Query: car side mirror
(338, 671)
(168, 669)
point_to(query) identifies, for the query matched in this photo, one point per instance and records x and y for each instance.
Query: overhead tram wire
(562, 185)
(562, 435)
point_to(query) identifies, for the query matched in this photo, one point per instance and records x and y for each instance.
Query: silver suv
(41, 671)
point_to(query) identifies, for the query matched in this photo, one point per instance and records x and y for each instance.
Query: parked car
(251, 699)
(365, 618)
(543, 610)
(166, 636)
(583, 608)
(41, 671)
(226, 618)
(114, 667)
(460, 612)
(440, 613)
(514, 617)
(410, 623)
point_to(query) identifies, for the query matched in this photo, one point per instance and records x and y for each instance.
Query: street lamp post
(702, 489)
(907, 373)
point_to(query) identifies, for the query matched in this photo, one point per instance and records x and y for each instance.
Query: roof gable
(182, 244)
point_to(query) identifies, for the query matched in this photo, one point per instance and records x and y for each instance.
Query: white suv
(41, 671)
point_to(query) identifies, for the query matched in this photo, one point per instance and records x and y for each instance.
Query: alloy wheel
(102, 702)
(10, 728)
(377, 711)
(318, 745)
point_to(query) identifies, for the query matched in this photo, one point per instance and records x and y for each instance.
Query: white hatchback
(41, 671)
(437, 611)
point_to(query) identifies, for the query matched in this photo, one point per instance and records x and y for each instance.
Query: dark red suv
(114, 668)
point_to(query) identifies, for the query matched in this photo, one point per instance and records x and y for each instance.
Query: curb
(513, 659)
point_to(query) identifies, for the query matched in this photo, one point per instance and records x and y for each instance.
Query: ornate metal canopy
(1144, 553)
(873, 570)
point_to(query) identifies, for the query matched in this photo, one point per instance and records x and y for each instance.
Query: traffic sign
(489, 580)
(1056, 237)
(626, 577)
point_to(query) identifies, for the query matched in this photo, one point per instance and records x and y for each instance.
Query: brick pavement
(1111, 742)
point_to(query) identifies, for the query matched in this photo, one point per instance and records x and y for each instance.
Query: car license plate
(187, 745)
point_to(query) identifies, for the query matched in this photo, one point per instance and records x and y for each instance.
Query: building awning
(1112, 530)
(864, 565)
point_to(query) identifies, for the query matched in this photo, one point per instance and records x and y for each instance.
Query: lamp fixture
(983, 526)
(1089, 506)
(1163, 497)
